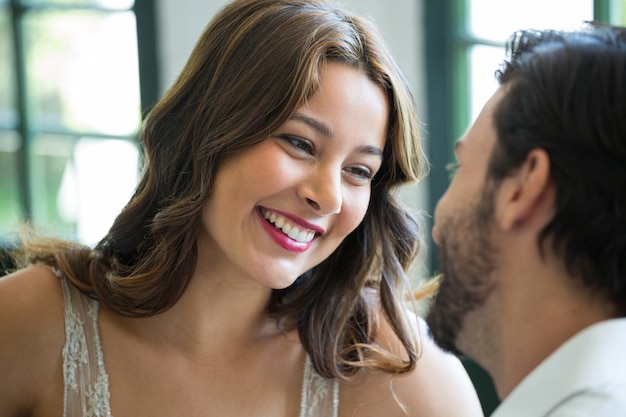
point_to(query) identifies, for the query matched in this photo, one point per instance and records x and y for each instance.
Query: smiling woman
(317, 168)
(260, 266)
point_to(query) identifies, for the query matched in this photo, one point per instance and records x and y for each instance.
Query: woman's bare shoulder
(442, 380)
(438, 386)
(32, 334)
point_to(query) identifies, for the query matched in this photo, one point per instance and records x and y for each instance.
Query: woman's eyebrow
(314, 123)
(322, 128)
(370, 150)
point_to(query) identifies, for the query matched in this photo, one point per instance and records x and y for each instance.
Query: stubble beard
(466, 256)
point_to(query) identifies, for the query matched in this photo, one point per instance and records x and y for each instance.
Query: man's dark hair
(565, 93)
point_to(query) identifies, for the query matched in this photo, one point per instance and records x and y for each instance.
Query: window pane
(497, 19)
(80, 185)
(106, 4)
(49, 158)
(8, 116)
(484, 61)
(9, 198)
(619, 12)
(83, 71)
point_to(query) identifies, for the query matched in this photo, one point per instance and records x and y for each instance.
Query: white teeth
(294, 232)
(291, 230)
(279, 222)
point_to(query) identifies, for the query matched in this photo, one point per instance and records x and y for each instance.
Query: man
(532, 230)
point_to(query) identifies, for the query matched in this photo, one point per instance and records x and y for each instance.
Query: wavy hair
(253, 66)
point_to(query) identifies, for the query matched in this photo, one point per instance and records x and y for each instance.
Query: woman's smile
(285, 233)
(295, 230)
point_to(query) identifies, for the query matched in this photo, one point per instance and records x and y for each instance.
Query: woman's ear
(527, 196)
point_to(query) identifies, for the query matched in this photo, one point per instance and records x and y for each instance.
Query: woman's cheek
(355, 212)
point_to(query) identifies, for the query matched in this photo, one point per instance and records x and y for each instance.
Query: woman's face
(283, 206)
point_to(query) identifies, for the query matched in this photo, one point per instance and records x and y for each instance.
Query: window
(70, 109)
(464, 46)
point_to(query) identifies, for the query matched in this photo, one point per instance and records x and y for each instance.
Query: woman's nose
(322, 191)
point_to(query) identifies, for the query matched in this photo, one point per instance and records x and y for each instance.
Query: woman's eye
(360, 172)
(300, 144)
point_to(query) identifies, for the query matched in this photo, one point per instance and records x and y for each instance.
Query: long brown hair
(255, 63)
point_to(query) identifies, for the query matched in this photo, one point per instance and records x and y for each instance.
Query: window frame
(145, 17)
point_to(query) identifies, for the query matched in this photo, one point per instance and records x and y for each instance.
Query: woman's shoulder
(440, 384)
(31, 304)
(32, 334)
(437, 386)
(31, 289)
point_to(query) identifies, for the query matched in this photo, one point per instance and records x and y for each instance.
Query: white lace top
(86, 382)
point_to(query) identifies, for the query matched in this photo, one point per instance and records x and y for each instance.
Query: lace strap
(86, 384)
(320, 396)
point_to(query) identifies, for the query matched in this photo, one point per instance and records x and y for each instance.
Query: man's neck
(536, 321)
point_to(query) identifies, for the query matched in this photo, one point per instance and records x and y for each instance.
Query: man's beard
(466, 257)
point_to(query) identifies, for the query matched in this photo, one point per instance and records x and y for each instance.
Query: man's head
(561, 108)
(566, 94)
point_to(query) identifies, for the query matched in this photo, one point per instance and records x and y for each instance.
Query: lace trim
(86, 383)
(98, 394)
(75, 349)
(319, 395)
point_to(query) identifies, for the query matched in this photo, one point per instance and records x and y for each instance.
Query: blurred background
(77, 76)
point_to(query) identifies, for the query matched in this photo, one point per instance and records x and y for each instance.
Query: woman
(259, 267)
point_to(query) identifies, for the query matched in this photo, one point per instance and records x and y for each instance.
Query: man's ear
(527, 196)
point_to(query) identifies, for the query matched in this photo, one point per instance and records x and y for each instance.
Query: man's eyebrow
(314, 123)
(457, 147)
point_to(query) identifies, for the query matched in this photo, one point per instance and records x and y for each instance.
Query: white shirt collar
(585, 360)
